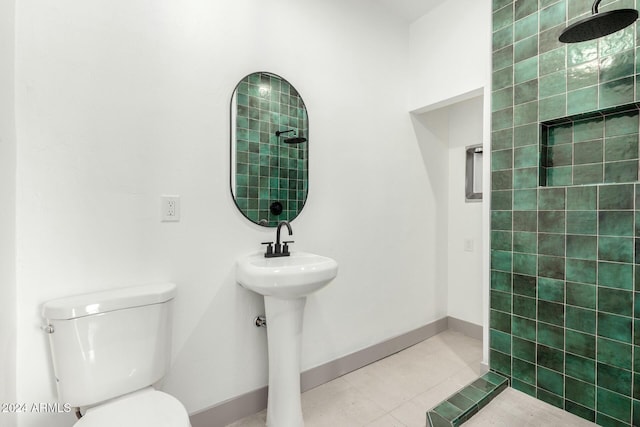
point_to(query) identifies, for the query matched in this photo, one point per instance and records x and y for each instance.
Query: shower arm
(594, 8)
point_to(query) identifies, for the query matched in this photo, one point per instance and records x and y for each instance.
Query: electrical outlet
(468, 245)
(170, 208)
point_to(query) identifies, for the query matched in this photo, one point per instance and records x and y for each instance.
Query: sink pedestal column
(284, 336)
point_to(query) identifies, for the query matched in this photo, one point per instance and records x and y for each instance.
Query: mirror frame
(274, 191)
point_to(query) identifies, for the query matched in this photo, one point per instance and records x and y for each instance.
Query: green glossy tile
(623, 147)
(523, 70)
(551, 266)
(525, 199)
(588, 152)
(616, 223)
(550, 335)
(580, 411)
(550, 398)
(560, 176)
(502, 99)
(588, 174)
(483, 385)
(616, 172)
(553, 61)
(501, 280)
(525, 242)
(500, 341)
(525, 221)
(561, 155)
(580, 392)
(502, 18)
(501, 301)
(614, 379)
(619, 249)
(500, 321)
(581, 295)
(617, 328)
(614, 353)
(501, 260)
(551, 312)
(447, 411)
(525, 135)
(524, 263)
(501, 200)
(499, 4)
(525, 92)
(615, 275)
(502, 78)
(525, 48)
(472, 393)
(524, 157)
(582, 247)
(613, 405)
(553, 15)
(551, 221)
(583, 75)
(583, 271)
(461, 401)
(503, 58)
(550, 358)
(523, 387)
(501, 220)
(553, 107)
(615, 301)
(524, 285)
(549, 39)
(525, 113)
(616, 197)
(551, 244)
(636, 412)
(523, 349)
(435, 420)
(582, 100)
(524, 328)
(500, 362)
(501, 180)
(524, 371)
(552, 84)
(526, 27)
(550, 381)
(621, 124)
(617, 42)
(617, 66)
(636, 306)
(524, 306)
(523, 9)
(502, 119)
(582, 198)
(502, 139)
(502, 38)
(580, 367)
(550, 290)
(525, 178)
(581, 319)
(586, 130)
(501, 240)
(579, 53)
(616, 92)
(578, 7)
(580, 344)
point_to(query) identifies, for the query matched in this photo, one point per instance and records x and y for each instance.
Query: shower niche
(595, 148)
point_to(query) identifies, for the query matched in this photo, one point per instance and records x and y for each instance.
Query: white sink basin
(297, 275)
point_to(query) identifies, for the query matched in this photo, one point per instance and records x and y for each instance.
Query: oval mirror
(269, 149)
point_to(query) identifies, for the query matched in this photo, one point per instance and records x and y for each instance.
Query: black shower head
(598, 24)
(296, 140)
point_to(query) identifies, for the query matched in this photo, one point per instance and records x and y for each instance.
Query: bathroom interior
(107, 107)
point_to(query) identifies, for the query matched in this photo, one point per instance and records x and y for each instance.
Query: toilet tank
(107, 344)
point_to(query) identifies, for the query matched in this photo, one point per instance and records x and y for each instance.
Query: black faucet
(279, 249)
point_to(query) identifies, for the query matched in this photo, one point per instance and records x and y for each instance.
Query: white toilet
(108, 348)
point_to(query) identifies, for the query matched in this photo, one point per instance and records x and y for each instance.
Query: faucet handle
(285, 247)
(269, 248)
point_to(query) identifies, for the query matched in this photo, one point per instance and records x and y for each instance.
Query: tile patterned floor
(398, 390)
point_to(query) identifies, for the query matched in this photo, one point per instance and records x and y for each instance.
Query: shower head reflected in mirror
(294, 140)
(598, 24)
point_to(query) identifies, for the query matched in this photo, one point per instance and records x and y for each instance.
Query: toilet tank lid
(101, 302)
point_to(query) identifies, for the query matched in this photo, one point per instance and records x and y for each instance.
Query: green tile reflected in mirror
(269, 149)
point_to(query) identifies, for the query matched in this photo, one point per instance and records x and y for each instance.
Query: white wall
(465, 219)
(450, 53)
(7, 212)
(118, 102)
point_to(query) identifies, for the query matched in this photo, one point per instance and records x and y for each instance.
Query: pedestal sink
(285, 283)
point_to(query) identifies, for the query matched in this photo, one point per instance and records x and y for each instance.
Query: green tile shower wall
(565, 281)
(268, 170)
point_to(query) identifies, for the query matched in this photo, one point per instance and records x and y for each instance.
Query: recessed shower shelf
(591, 148)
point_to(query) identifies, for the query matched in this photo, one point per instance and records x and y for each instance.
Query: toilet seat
(147, 407)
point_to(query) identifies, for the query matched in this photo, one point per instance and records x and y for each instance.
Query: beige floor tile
(386, 421)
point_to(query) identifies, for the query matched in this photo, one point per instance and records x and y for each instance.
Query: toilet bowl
(108, 350)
